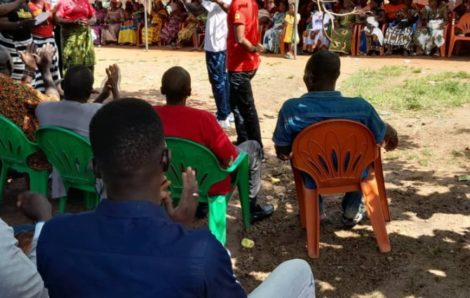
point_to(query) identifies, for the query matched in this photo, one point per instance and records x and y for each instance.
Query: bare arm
(46, 55)
(9, 7)
(222, 5)
(6, 25)
(195, 9)
(242, 40)
(391, 138)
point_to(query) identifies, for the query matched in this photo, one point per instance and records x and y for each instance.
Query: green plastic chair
(70, 154)
(184, 154)
(15, 148)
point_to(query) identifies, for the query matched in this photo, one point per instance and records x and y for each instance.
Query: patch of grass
(399, 88)
(290, 77)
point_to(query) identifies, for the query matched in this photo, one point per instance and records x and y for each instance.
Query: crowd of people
(137, 242)
(399, 26)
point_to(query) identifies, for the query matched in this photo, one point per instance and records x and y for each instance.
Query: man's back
(68, 114)
(201, 127)
(132, 249)
(298, 113)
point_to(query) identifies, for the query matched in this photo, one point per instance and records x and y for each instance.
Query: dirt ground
(430, 227)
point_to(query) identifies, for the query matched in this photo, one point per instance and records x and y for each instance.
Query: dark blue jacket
(132, 249)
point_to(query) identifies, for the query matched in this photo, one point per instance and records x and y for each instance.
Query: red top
(242, 12)
(45, 29)
(75, 9)
(392, 9)
(201, 127)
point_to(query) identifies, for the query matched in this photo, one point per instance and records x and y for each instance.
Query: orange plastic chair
(335, 153)
(464, 28)
(356, 39)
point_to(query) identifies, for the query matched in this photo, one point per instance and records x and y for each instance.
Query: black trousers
(255, 157)
(243, 107)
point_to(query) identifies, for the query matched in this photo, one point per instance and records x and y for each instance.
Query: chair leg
(379, 175)
(443, 50)
(372, 201)
(300, 195)
(243, 192)
(90, 200)
(38, 181)
(451, 47)
(312, 207)
(62, 204)
(3, 179)
(218, 218)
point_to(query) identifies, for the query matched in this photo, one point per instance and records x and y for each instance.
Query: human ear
(165, 161)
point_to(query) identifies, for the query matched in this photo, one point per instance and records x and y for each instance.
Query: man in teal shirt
(322, 102)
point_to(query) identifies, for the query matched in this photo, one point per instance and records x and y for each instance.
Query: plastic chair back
(464, 24)
(184, 154)
(14, 145)
(464, 29)
(334, 152)
(70, 154)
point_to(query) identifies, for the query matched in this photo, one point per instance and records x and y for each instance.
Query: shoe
(231, 118)
(224, 123)
(349, 223)
(260, 212)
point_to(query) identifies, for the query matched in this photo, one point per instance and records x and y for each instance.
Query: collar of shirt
(131, 209)
(323, 94)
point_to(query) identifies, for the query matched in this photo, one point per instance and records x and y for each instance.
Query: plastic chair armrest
(241, 156)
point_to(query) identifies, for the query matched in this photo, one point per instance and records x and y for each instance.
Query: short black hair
(176, 84)
(323, 67)
(78, 83)
(125, 135)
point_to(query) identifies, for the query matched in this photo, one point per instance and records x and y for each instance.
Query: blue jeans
(218, 78)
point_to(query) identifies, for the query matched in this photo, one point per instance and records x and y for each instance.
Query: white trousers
(291, 279)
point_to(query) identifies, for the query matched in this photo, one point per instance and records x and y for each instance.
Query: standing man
(215, 45)
(243, 50)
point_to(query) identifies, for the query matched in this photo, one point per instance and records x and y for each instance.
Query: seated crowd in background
(168, 24)
(399, 26)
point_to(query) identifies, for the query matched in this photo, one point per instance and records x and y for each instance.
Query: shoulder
(60, 227)
(291, 104)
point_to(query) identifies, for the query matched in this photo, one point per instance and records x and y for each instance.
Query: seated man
(74, 112)
(133, 246)
(322, 102)
(201, 127)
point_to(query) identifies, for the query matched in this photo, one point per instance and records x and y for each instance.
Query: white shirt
(216, 27)
(68, 114)
(18, 274)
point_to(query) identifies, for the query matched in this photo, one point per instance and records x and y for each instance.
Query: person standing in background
(75, 18)
(44, 34)
(215, 46)
(243, 49)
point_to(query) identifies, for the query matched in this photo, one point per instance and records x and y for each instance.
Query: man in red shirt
(243, 50)
(201, 127)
